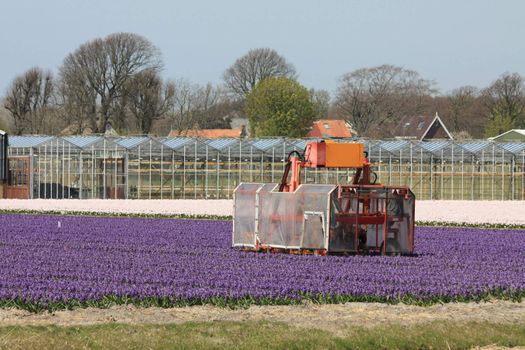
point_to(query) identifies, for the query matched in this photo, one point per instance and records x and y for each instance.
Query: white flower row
(472, 212)
(475, 212)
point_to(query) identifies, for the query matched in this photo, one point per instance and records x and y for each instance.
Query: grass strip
(262, 335)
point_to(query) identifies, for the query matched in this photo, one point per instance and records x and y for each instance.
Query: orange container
(344, 155)
(330, 154)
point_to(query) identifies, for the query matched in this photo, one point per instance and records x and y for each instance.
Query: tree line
(115, 83)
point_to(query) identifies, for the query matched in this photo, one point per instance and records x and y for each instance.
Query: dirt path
(329, 317)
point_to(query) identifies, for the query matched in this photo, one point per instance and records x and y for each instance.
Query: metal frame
(486, 169)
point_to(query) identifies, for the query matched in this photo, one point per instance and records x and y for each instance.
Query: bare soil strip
(332, 317)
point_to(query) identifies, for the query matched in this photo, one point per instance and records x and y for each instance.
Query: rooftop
(419, 127)
(330, 128)
(207, 133)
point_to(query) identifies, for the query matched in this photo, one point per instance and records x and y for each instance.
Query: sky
(452, 42)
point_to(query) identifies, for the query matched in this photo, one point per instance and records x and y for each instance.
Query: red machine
(359, 217)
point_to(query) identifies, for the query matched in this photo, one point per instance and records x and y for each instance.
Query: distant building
(330, 128)
(421, 128)
(514, 135)
(209, 133)
(4, 163)
(110, 131)
(239, 123)
(74, 130)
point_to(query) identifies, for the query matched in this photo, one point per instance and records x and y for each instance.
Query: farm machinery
(360, 217)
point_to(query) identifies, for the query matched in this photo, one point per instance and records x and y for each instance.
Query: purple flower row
(88, 258)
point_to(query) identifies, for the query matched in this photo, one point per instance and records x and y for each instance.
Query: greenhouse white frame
(144, 167)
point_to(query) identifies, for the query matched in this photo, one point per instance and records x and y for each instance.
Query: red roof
(207, 133)
(330, 128)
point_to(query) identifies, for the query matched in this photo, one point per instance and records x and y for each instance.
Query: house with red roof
(210, 133)
(330, 129)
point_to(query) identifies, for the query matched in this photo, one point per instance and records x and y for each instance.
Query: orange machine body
(326, 154)
(362, 216)
(334, 155)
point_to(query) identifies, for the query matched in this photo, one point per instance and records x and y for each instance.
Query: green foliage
(279, 106)
(107, 301)
(498, 123)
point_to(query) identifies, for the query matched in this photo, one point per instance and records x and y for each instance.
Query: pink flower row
(491, 212)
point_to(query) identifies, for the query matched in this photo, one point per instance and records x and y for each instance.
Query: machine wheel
(392, 247)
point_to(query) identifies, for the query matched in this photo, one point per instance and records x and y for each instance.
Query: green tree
(499, 121)
(279, 106)
(505, 99)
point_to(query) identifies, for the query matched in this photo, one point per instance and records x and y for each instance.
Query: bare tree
(77, 103)
(149, 99)
(105, 66)
(215, 109)
(371, 97)
(185, 107)
(203, 107)
(29, 101)
(462, 103)
(255, 66)
(321, 101)
(5, 120)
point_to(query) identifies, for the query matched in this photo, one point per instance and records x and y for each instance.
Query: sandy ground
(506, 212)
(332, 317)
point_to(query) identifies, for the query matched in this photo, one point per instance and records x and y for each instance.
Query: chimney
(243, 131)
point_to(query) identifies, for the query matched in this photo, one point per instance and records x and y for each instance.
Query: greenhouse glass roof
(300, 144)
(475, 147)
(514, 148)
(94, 143)
(266, 144)
(176, 143)
(83, 141)
(393, 146)
(134, 142)
(222, 144)
(434, 146)
(269, 146)
(28, 141)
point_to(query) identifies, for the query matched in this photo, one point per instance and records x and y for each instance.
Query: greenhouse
(143, 167)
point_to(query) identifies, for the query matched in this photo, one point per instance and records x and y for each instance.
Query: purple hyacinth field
(57, 260)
